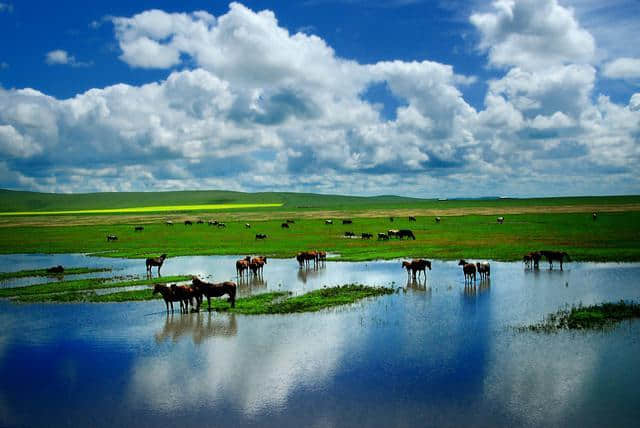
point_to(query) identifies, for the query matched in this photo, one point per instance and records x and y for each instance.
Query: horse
(242, 265)
(484, 269)
(214, 290)
(260, 261)
(285, 225)
(261, 236)
(527, 259)
(417, 265)
(168, 295)
(188, 223)
(560, 256)
(437, 219)
(305, 257)
(56, 269)
(347, 221)
(138, 229)
(406, 233)
(157, 261)
(112, 238)
(534, 257)
(366, 235)
(383, 236)
(500, 220)
(322, 256)
(469, 270)
(328, 222)
(412, 218)
(185, 294)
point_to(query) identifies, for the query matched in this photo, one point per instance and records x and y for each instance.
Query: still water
(435, 353)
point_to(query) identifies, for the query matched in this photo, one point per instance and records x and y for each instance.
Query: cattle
(290, 221)
(347, 221)
(328, 222)
(138, 229)
(391, 219)
(56, 269)
(484, 269)
(383, 237)
(437, 219)
(112, 238)
(221, 226)
(247, 226)
(594, 216)
(261, 236)
(500, 220)
(188, 223)
(213, 222)
(168, 223)
(392, 233)
(366, 235)
(199, 222)
(406, 233)
(412, 218)
(285, 225)
(349, 234)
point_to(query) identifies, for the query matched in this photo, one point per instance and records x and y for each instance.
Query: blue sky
(422, 98)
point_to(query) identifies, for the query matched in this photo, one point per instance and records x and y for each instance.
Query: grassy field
(468, 228)
(43, 272)
(587, 317)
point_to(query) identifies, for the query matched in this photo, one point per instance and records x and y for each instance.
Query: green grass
(614, 236)
(43, 272)
(151, 209)
(81, 285)
(587, 317)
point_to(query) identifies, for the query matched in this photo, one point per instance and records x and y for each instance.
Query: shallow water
(435, 353)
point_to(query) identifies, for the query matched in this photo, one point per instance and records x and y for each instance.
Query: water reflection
(199, 326)
(311, 273)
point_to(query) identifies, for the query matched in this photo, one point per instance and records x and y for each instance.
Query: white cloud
(62, 57)
(623, 68)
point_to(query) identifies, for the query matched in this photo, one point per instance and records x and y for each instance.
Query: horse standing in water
(155, 261)
(559, 256)
(484, 269)
(213, 290)
(469, 270)
(168, 295)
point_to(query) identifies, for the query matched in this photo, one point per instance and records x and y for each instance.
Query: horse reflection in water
(308, 273)
(199, 326)
(247, 285)
(417, 284)
(472, 289)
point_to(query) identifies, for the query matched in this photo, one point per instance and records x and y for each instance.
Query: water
(438, 354)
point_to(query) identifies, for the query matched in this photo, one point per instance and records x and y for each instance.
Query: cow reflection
(199, 325)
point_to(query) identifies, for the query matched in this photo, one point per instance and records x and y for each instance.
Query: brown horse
(559, 256)
(484, 269)
(155, 261)
(417, 266)
(469, 270)
(168, 295)
(259, 261)
(214, 290)
(305, 257)
(322, 256)
(242, 265)
(185, 294)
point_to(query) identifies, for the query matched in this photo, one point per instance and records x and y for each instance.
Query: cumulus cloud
(62, 57)
(248, 105)
(623, 68)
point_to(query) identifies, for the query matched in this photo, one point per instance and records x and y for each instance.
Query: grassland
(468, 228)
(44, 272)
(587, 317)
(150, 209)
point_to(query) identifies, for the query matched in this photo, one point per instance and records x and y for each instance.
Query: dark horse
(469, 270)
(213, 290)
(168, 295)
(559, 256)
(155, 261)
(56, 269)
(419, 265)
(185, 294)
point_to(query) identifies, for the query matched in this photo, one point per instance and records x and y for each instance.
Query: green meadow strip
(83, 285)
(587, 317)
(159, 208)
(43, 272)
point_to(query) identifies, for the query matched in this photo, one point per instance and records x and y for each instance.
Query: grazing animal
(155, 261)
(500, 220)
(383, 236)
(402, 233)
(328, 222)
(349, 234)
(138, 229)
(188, 223)
(391, 219)
(168, 223)
(168, 295)
(285, 225)
(594, 216)
(417, 266)
(290, 221)
(56, 269)
(200, 222)
(213, 222)
(412, 218)
(347, 221)
(185, 295)
(210, 290)
(437, 219)
(484, 269)
(261, 236)
(366, 235)
(469, 270)
(221, 226)
(247, 226)
(112, 238)
(242, 265)
(559, 256)
(393, 233)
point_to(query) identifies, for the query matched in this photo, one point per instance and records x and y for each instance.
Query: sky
(409, 97)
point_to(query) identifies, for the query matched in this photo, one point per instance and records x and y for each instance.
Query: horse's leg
(209, 302)
(560, 263)
(166, 302)
(159, 266)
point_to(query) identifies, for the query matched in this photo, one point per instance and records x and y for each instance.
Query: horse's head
(164, 256)
(157, 288)
(406, 265)
(429, 264)
(264, 259)
(462, 262)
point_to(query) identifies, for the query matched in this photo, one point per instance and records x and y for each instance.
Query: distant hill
(32, 201)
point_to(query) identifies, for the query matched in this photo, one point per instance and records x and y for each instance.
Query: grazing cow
(285, 225)
(349, 234)
(221, 226)
(261, 236)
(214, 290)
(594, 216)
(200, 222)
(155, 261)
(500, 220)
(112, 238)
(242, 265)
(383, 236)
(188, 223)
(138, 229)
(213, 222)
(484, 269)
(437, 219)
(185, 295)
(328, 222)
(366, 235)
(347, 221)
(247, 226)
(168, 223)
(412, 218)
(56, 269)
(393, 233)
(405, 233)
(469, 270)
(168, 295)
(290, 221)
(391, 219)
(559, 256)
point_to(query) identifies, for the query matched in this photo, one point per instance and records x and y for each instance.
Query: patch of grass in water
(43, 272)
(587, 317)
